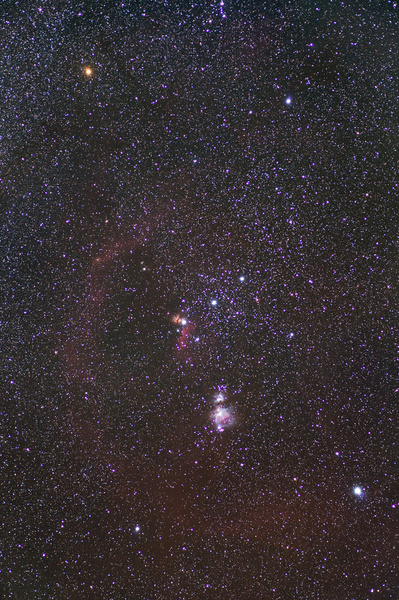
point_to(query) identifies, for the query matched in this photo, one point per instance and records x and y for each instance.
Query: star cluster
(199, 324)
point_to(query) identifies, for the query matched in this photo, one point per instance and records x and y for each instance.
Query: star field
(199, 316)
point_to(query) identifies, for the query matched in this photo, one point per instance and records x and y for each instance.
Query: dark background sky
(199, 210)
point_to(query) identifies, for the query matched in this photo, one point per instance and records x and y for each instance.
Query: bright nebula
(223, 418)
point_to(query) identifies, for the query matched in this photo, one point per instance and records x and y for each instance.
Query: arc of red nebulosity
(82, 326)
(79, 347)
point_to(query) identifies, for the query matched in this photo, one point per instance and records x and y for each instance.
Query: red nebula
(222, 418)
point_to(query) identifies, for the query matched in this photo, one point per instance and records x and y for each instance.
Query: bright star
(288, 100)
(214, 302)
(358, 491)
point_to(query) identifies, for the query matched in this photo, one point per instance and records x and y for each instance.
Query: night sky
(199, 327)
